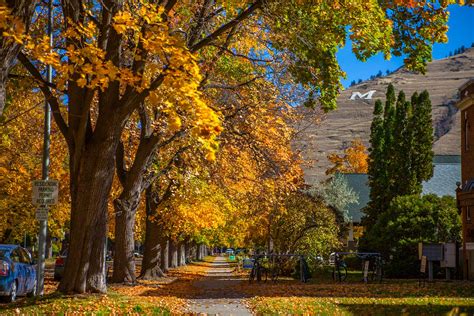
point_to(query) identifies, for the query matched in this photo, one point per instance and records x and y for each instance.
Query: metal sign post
(43, 221)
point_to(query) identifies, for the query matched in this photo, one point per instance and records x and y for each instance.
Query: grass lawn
(388, 298)
(362, 306)
(110, 304)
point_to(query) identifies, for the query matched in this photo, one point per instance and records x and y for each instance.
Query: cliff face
(331, 133)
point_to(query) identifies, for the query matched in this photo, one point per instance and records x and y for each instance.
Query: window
(15, 255)
(468, 214)
(25, 257)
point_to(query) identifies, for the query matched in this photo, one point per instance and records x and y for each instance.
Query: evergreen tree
(401, 155)
(421, 122)
(376, 170)
(400, 164)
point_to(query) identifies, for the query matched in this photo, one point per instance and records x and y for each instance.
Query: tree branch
(224, 28)
(50, 98)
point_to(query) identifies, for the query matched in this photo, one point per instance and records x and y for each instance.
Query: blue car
(17, 272)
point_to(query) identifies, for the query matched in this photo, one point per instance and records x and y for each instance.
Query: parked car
(17, 272)
(59, 266)
(229, 251)
(61, 261)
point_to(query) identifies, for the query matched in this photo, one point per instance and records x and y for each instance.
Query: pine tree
(421, 122)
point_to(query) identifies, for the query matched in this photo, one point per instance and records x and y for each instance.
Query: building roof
(446, 173)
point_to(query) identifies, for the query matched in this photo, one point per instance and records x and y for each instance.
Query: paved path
(218, 294)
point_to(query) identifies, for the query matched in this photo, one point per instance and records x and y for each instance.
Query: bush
(408, 221)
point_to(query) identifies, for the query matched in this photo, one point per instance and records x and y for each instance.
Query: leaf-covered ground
(163, 297)
(172, 295)
(390, 298)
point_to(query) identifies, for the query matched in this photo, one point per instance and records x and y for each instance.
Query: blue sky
(461, 32)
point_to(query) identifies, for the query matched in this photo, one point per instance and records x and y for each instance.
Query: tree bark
(90, 188)
(173, 256)
(199, 252)
(187, 252)
(181, 255)
(124, 260)
(164, 256)
(153, 238)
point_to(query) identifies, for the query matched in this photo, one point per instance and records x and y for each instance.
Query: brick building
(465, 191)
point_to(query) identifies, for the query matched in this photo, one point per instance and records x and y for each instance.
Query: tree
(337, 194)
(402, 172)
(308, 226)
(401, 155)
(409, 220)
(15, 17)
(376, 166)
(113, 58)
(423, 137)
(354, 159)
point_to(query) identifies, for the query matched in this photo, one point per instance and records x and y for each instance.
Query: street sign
(42, 213)
(45, 192)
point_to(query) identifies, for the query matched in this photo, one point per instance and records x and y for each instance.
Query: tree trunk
(124, 260)
(90, 188)
(188, 252)
(164, 256)
(198, 252)
(152, 248)
(3, 89)
(181, 255)
(173, 256)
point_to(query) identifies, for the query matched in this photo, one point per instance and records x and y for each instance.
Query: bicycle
(339, 272)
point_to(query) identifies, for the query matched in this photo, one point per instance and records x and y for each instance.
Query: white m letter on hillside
(367, 95)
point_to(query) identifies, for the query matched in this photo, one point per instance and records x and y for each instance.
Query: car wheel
(12, 297)
(32, 293)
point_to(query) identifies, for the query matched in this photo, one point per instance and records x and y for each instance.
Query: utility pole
(45, 164)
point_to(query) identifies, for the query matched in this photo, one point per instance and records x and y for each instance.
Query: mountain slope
(352, 119)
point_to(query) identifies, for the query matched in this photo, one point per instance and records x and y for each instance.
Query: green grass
(362, 306)
(110, 304)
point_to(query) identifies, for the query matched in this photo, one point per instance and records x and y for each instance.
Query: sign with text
(45, 192)
(42, 213)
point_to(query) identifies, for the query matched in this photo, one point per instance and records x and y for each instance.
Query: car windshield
(2, 253)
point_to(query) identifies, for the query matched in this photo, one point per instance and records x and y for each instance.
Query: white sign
(423, 264)
(45, 192)
(42, 213)
(366, 96)
(449, 258)
(366, 269)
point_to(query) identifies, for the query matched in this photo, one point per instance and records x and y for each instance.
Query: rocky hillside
(323, 134)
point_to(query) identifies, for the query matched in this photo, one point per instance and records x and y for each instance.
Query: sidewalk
(219, 295)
